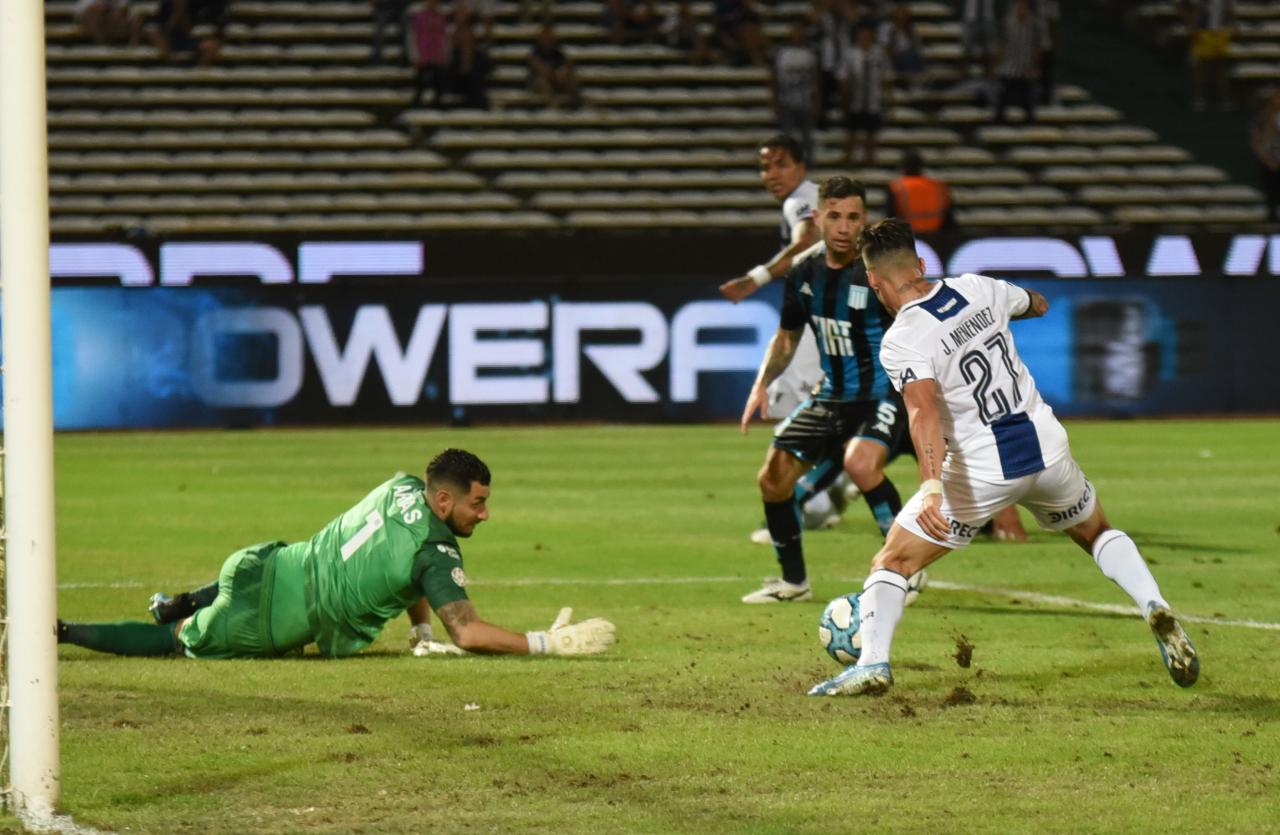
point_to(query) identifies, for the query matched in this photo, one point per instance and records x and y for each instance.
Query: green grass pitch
(697, 720)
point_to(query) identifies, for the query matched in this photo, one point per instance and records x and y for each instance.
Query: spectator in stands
(1019, 61)
(1265, 141)
(682, 32)
(981, 35)
(109, 22)
(172, 29)
(830, 40)
(1049, 16)
(793, 87)
(387, 13)
(429, 51)
(922, 201)
(738, 31)
(470, 63)
(1209, 27)
(551, 71)
(900, 39)
(482, 11)
(866, 78)
(631, 21)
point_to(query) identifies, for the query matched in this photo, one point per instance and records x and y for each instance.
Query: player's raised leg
(1119, 559)
(883, 598)
(777, 480)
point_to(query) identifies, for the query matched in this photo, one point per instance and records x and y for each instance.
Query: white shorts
(796, 384)
(1058, 496)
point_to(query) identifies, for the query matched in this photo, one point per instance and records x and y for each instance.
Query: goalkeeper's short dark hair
(890, 235)
(456, 468)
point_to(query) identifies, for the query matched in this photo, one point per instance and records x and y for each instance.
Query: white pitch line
(941, 585)
(1056, 600)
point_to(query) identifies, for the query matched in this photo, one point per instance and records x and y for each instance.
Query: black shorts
(869, 122)
(818, 429)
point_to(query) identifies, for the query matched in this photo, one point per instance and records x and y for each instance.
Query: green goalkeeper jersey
(374, 561)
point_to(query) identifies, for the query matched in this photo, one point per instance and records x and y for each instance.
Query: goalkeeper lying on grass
(393, 552)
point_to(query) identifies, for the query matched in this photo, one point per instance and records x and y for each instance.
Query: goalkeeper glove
(423, 641)
(563, 638)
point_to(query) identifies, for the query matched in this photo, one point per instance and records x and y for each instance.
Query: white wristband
(539, 644)
(760, 275)
(932, 487)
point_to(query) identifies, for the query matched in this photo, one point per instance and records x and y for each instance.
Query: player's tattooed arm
(926, 426)
(471, 633)
(781, 349)
(1038, 306)
(457, 615)
(926, 434)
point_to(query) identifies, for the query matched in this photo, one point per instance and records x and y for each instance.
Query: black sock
(783, 520)
(817, 480)
(124, 638)
(884, 503)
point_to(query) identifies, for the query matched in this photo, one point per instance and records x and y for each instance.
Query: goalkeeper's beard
(452, 521)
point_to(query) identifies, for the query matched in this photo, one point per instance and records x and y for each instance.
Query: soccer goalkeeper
(395, 551)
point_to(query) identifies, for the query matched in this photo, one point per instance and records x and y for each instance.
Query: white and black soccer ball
(838, 629)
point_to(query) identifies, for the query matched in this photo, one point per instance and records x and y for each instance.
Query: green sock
(124, 638)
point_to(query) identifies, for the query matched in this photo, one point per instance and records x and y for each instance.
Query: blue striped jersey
(847, 319)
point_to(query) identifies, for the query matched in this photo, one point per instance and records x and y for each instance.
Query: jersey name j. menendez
(847, 321)
(995, 423)
(377, 559)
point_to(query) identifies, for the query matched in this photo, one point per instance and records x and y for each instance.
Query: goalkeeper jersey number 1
(374, 561)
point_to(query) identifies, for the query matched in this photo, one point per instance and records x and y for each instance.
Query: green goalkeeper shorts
(260, 610)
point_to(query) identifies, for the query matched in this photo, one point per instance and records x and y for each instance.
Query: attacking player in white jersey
(985, 440)
(785, 175)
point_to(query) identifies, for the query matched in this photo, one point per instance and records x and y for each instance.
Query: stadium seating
(294, 130)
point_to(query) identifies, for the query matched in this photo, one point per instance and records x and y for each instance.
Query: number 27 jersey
(996, 425)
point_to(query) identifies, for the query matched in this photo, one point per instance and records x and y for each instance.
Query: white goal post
(30, 591)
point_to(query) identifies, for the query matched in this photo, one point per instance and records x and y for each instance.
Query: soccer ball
(838, 629)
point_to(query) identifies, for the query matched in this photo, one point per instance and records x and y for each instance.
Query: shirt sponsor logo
(858, 297)
(459, 577)
(1075, 510)
(451, 551)
(834, 336)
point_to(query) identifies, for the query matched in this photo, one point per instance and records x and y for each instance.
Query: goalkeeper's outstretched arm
(563, 638)
(475, 635)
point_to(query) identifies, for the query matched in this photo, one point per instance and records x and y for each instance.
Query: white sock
(883, 598)
(819, 504)
(1118, 558)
